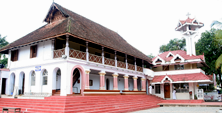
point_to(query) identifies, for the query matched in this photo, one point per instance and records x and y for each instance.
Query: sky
(145, 24)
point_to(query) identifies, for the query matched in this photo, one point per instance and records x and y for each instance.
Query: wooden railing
(109, 62)
(121, 64)
(131, 66)
(77, 54)
(95, 58)
(139, 68)
(58, 53)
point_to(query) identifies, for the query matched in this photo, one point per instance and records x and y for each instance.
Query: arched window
(45, 77)
(33, 78)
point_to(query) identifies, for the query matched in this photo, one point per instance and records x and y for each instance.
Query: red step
(86, 104)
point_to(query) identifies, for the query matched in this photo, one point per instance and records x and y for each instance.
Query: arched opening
(139, 84)
(12, 83)
(21, 87)
(76, 81)
(107, 84)
(58, 80)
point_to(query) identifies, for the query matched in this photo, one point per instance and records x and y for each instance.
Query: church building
(72, 55)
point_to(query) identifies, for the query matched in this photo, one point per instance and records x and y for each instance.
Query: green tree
(3, 43)
(151, 55)
(174, 44)
(207, 45)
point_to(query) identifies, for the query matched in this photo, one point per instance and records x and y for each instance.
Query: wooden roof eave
(67, 33)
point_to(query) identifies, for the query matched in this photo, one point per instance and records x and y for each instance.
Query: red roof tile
(179, 52)
(183, 77)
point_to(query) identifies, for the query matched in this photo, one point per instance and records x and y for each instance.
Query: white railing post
(87, 52)
(103, 60)
(126, 62)
(115, 60)
(135, 63)
(53, 41)
(67, 46)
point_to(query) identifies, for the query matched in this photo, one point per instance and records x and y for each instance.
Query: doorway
(166, 90)
(58, 80)
(3, 85)
(107, 84)
(76, 81)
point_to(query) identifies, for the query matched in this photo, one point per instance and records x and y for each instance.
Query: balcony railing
(77, 54)
(131, 66)
(139, 68)
(58, 53)
(95, 58)
(121, 64)
(109, 61)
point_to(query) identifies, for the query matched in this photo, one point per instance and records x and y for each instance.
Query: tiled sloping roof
(45, 31)
(183, 77)
(181, 53)
(84, 28)
(188, 20)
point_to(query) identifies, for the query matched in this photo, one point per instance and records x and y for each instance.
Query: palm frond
(218, 62)
(217, 23)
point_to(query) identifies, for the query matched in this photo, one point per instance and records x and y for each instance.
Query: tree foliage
(174, 44)
(207, 45)
(3, 43)
(151, 55)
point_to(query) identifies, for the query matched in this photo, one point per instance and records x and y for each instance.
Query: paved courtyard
(181, 110)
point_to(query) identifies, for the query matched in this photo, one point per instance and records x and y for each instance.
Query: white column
(87, 52)
(115, 60)
(103, 60)
(67, 46)
(53, 41)
(135, 63)
(126, 62)
(9, 59)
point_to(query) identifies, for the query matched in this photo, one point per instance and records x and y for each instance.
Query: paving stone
(181, 110)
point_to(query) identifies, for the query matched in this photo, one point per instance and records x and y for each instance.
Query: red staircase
(86, 104)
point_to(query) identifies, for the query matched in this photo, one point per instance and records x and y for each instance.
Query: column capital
(143, 79)
(87, 71)
(102, 73)
(115, 75)
(134, 78)
(126, 77)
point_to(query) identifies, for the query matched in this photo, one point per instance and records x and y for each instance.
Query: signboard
(37, 68)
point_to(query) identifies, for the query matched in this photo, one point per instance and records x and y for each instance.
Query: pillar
(126, 86)
(103, 59)
(9, 59)
(135, 84)
(115, 81)
(135, 63)
(53, 41)
(143, 84)
(126, 61)
(87, 52)
(115, 60)
(102, 80)
(67, 46)
(87, 79)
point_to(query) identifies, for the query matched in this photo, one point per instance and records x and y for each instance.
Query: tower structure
(189, 30)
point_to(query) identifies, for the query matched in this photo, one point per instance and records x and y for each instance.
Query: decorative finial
(188, 14)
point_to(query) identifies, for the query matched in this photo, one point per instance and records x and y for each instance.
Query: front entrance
(107, 84)
(166, 90)
(76, 81)
(3, 85)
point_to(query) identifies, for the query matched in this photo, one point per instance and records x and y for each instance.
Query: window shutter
(16, 55)
(35, 54)
(31, 51)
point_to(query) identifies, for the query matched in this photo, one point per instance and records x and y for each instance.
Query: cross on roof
(188, 14)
